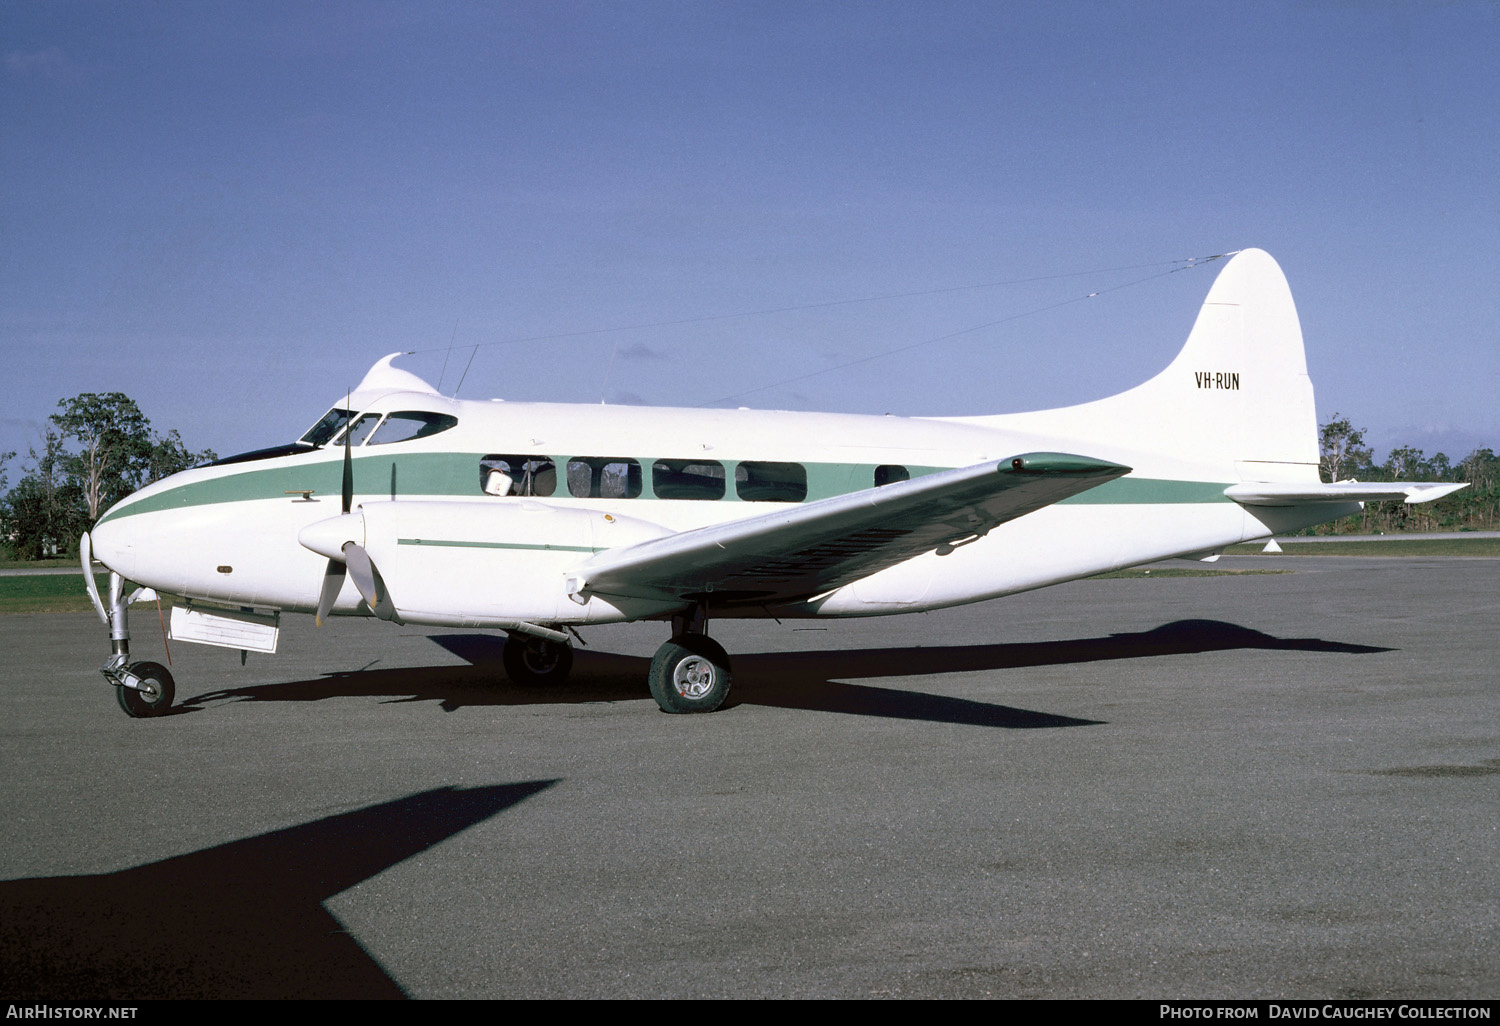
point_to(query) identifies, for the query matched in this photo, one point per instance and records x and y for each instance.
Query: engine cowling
(489, 563)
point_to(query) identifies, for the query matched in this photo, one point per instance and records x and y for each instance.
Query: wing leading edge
(802, 551)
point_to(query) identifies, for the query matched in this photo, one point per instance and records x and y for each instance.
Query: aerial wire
(604, 388)
(465, 373)
(1173, 266)
(1184, 265)
(446, 354)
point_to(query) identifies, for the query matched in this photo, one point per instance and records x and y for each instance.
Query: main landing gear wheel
(531, 661)
(155, 694)
(690, 674)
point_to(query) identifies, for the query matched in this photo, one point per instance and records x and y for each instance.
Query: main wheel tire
(155, 695)
(690, 674)
(532, 662)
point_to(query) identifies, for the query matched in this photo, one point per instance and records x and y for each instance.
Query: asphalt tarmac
(1249, 786)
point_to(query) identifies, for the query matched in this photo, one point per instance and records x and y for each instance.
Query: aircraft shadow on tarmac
(239, 920)
(794, 680)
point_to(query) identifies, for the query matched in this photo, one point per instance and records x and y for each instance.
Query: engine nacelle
(490, 563)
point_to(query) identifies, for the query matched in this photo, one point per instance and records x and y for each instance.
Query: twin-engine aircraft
(537, 519)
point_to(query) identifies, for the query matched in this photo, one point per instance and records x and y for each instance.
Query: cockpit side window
(361, 429)
(326, 428)
(404, 426)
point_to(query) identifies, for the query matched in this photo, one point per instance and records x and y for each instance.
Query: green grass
(1365, 547)
(71, 562)
(48, 593)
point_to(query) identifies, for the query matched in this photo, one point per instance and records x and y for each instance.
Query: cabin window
(604, 477)
(403, 427)
(890, 474)
(687, 479)
(361, 428)
(517, 475)
(770, 482)
(326, 428)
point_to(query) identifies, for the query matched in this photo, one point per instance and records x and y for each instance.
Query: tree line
(97, 449)
(1346, 457)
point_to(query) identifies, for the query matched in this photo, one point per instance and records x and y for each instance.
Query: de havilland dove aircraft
(537, 519)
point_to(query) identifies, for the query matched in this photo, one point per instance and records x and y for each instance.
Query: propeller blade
(363, 572)
(86, 556)
(333, 583)
(369, 582)
(348, 489)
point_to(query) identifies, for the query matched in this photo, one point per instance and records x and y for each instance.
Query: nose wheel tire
(153, 697)
(536, 662)
(690, 674)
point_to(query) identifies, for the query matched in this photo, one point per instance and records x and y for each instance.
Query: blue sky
(228, 211)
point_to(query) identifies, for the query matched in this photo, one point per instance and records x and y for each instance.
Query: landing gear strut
(142, 689)
(690, 673)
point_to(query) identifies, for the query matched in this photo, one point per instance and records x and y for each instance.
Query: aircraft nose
(328, 537)
(113, 545)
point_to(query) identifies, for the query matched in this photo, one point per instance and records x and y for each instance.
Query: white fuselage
(453, 554)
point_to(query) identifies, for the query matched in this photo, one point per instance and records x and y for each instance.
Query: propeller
(346, 557)
(333, 574)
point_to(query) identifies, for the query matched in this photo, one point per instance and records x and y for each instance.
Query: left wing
(801, 551)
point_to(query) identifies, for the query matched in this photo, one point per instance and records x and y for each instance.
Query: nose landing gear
(142, 689)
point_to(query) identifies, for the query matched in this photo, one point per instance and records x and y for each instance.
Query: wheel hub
(694, 677)
(541, 659)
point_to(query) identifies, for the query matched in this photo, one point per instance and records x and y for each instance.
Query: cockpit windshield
(403, 426)
(326, 428)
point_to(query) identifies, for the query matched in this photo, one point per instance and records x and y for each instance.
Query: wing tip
(1063, 463)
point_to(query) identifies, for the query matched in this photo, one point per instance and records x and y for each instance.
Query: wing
(800, 551)
(1254, 493)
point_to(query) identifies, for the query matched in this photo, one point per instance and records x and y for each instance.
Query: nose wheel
(154, 693)
(690, 674)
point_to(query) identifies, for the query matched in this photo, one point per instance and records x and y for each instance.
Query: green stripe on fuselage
(457, 474)
(1136, 491)
(449, 544)
(411, 474)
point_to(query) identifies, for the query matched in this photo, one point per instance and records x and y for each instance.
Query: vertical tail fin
(1236, 401)
(1241, 379)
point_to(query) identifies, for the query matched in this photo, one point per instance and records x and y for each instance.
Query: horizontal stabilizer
(797, 552)
(1256, 493)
